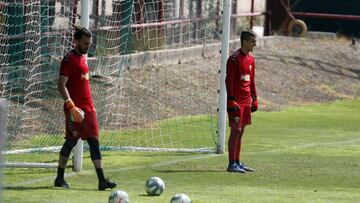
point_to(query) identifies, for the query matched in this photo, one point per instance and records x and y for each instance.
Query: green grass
(180, 132)
(303, 154)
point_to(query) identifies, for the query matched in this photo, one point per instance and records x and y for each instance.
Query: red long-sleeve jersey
(240, 77)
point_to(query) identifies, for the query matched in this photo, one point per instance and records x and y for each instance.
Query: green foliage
(303, 154)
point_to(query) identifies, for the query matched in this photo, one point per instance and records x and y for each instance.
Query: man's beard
(82, 51)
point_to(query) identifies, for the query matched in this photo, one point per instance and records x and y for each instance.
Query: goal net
(154, 79)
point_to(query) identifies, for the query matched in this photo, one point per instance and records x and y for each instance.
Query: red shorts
(88, 128)
(245, 118)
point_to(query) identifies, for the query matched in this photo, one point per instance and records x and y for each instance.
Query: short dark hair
(81, 31)
(246, 35)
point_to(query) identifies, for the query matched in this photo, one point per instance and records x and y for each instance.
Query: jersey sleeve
(252, 82)
(230, 76)
(65, 68)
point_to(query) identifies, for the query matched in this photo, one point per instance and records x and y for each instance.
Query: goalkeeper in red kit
(80, 113)
(241, 98)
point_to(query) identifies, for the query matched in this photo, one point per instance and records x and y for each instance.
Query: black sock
(60, 173)
(231, 163)
(100, 174)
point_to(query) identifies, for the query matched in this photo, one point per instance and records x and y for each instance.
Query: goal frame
(221, 128)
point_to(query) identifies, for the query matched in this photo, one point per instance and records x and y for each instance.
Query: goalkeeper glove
(254, 104)
(76, 114)
(233, 108)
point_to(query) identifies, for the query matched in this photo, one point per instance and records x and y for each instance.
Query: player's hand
(254, 105)
(232, 106)
(233, 109)
(76, 114)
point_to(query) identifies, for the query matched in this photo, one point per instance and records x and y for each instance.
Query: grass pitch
(302, 154)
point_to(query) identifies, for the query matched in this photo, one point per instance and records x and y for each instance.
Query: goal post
(222, 89)
(78, 149)
(3, 121)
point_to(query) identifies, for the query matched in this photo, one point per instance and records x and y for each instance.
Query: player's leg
(233, 142)
(245, 115)
(90, 131)
(238, 152)
(238, 145)
(72, 134)
(97, 161)
(63, 159)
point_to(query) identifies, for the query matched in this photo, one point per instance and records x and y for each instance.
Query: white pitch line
(309, 145)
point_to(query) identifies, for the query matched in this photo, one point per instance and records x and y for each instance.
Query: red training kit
(240, 86)
(75, 68)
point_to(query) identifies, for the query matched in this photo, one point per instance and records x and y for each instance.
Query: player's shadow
(159, 154)
(21, 188)
(146, 195)
(50, 172)
(27, 188)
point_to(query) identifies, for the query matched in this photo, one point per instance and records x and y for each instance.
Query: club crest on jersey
(250, 67)
(245, 78)
(85, 76)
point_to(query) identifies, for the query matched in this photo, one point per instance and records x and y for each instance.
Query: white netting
(152, 81)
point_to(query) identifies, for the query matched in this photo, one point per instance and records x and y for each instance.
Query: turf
(302, 154)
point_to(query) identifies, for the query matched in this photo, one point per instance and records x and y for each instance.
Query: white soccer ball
(154, 186)
(180, 198)
(119, 196)
(82, 115)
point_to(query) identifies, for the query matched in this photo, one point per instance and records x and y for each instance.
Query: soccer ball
(180, 198)
(154, 186)
(82, 115)
(119, 196)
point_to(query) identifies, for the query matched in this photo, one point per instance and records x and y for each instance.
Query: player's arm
(76, 114)
(232, 106)
(62, 87)
(255, 103)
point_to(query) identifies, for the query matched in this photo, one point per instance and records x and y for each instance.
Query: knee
(94, 149)
(236, 131)
(67, 147)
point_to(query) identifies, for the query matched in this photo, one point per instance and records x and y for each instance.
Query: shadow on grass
(50, 187)
(154, 154)
(45, 171)
(27, 188)
(146, 195)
